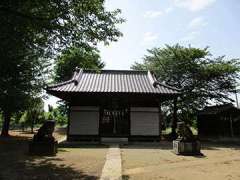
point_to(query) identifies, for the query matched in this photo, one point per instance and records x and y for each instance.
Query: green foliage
(201, 77)
(88, 58)
(1, 119)
(32, 31)
(34, 114)
(58, 114)
(76, 57)
(50, 24)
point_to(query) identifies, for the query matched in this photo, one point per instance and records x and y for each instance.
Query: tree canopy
(31, 32)
(49, 25)
(76, 57)
(34, 113)
(201, 77)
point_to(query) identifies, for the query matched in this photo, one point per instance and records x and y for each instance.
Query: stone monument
(186, 143)
(43, 142)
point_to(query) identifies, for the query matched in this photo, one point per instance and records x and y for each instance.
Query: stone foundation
(186, 148)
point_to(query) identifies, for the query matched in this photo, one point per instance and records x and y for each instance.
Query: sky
(155, 23)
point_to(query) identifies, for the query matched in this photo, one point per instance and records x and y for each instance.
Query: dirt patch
(78, 162)
(58, 133)
(158, 162)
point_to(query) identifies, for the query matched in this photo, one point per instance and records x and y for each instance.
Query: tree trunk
(6, 122)
(32, 125)
(231, 127)
(174, 120)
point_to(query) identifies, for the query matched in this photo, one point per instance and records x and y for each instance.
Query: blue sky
(154, 23)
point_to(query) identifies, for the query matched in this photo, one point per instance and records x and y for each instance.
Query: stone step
(114, 140)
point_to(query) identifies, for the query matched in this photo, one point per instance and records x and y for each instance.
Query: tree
(58, 114)
(66, 63)
(34, 113)
(76, 57)
(31, 32)
(202, 78)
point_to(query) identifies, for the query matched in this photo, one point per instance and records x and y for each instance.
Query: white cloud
(149, 37)
(152, 14)
(194, 29)
(189, 37)
(194, 5)
(197, 23)
(168, 10)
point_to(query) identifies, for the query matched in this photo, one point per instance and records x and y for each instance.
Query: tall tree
(76, 57)
(201, 77)
(34, 113)
(87, 57)
(32, 31)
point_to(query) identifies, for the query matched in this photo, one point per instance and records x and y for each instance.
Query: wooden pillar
(174, 120)
(160, 116)
(231, 126)
(68, 119)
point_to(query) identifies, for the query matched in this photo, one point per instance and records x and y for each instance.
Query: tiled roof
(218, 109)
(113, 81)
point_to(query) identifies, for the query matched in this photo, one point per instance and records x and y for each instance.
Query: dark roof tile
(121, 81)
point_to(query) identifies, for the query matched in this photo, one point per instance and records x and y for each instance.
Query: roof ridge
(75, 79)
(155, 82)
(114, 70)
(221, 105)
(61, 83)
(77, 75)
(167, 86)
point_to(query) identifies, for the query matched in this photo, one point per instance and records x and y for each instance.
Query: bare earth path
(112, 169)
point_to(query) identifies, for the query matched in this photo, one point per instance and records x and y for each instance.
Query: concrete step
(107, 140)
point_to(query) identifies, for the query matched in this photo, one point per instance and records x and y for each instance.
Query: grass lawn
(220, 161)
(80, 162)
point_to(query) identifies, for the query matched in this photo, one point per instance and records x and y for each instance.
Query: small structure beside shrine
(110, 104)
(219, 121)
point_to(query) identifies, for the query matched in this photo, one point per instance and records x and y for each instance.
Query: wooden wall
(84, 120)
(144, 121)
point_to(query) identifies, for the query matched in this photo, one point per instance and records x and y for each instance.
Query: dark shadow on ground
(167, 145)
(218, 145)
(66, 144)
(16, 164)
(125, 177)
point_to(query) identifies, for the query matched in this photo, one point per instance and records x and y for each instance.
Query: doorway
(114, 122)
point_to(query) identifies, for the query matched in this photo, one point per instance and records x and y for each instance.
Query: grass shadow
(125, 177)
(218, 145)
(163, 145)
(66, 144)
(16, 164)
(199, 155)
